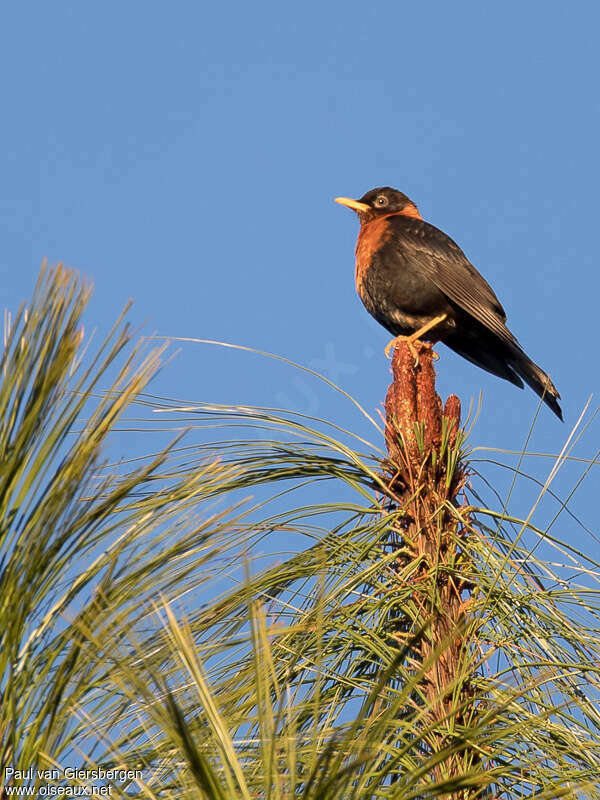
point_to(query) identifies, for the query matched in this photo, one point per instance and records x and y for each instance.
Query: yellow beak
(353, 204)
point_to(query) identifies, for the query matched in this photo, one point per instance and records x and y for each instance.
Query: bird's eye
(381, 201)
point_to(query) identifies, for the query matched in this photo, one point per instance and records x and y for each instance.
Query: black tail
(507, 361)
(537, 379)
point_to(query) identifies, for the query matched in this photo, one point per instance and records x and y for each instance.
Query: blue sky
(186, 155)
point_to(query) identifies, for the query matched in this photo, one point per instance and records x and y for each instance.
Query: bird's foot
(396, 341)
(414, 337)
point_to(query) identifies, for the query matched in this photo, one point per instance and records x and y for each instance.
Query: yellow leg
(414, 336)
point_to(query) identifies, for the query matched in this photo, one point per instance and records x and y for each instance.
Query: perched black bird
(419, 284)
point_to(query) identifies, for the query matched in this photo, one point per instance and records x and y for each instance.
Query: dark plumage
(408, 273)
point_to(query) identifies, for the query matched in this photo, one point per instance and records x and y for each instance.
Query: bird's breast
(371, 238)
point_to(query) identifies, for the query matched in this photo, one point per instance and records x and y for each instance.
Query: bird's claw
(389, 347)
(411, 346)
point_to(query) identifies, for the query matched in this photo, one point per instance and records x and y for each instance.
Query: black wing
(445, 264)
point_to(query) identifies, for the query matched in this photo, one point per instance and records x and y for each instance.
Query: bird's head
(379, 203)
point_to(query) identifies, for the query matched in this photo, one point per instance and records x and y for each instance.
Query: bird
(417, 283)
